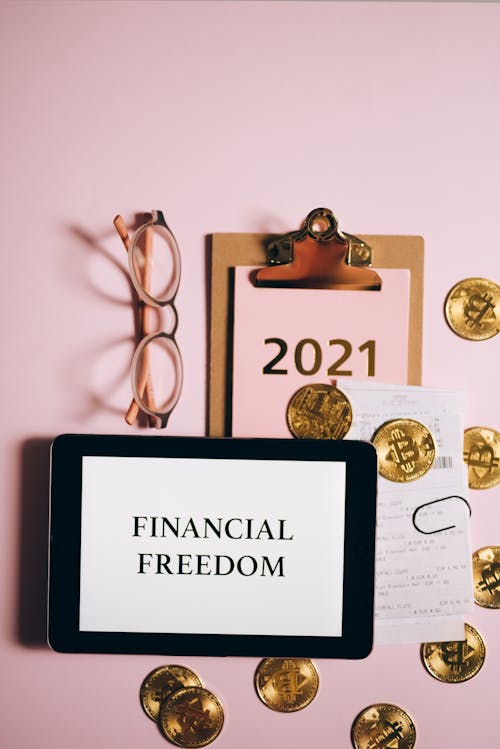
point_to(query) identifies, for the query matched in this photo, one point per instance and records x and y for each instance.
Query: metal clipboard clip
(318, 256)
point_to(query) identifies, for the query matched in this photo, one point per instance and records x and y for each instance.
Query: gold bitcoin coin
(286, 684)
(383, 725)
(486, 572)
(320, 412)
(472, 309)
(160, 684)
(191, 717)
(482, 455)
(455, 661)
(405, 450)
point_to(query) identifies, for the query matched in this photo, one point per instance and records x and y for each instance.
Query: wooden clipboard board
(230, 250)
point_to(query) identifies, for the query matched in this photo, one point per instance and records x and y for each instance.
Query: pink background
(236, 117)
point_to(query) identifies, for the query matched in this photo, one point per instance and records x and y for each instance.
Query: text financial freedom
(235, 529)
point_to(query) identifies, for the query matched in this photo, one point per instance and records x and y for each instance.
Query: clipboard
(229, 251)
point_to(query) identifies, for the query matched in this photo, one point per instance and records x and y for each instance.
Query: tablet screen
(229, 546)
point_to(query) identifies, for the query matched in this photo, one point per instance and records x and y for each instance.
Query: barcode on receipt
(443, 461)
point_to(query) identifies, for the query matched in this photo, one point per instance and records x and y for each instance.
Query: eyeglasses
(155, 269)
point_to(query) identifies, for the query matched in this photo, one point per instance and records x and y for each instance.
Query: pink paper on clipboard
(286, 338)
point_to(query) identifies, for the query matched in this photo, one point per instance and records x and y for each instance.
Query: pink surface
(297, 317)
(237, 117)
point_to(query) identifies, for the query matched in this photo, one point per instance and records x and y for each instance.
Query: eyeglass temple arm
(121, 228)
(145, 381)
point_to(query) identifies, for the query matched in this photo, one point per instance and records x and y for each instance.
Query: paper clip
(318, 256)
(435, 501)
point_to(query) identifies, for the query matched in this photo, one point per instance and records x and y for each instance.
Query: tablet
(202, 546)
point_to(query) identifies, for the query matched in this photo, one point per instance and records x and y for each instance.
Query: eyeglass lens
(155, 264)
(157, 374)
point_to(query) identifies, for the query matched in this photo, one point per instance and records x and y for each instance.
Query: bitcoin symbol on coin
(456, 654)
(482, 455)
(171, 684)
(477, 307)
(490, 578)
(289, 682)
(405, 450)
(192, 717)
(384, 735)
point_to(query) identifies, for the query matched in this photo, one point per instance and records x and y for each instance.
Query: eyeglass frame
(158, 418)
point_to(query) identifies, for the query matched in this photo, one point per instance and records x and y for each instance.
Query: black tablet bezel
(64, 634)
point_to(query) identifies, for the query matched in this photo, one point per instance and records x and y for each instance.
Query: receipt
(423, 588)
